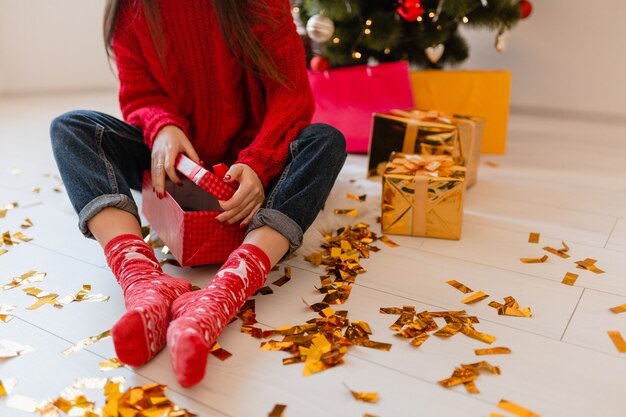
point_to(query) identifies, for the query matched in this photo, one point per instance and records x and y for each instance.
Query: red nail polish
(227, 177)
(242, 225)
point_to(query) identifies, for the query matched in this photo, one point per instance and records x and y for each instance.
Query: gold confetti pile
(321, 343)
(510, 308)
(415, 326)
(467, 374)
(146, 401)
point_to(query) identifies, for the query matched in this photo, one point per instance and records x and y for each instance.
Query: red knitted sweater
(229, 114)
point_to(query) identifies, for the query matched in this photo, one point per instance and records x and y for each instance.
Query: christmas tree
(423, 32)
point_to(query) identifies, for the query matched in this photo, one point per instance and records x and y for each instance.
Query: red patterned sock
(148, 294)
(199, 317)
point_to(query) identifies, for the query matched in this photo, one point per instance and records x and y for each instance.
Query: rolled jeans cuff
(95, 206)
(279, 222)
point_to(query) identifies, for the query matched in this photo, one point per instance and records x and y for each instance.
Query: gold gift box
(423, 196)
(426, 132)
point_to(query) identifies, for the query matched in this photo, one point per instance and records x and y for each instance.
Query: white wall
(569, 55)
(52, 45)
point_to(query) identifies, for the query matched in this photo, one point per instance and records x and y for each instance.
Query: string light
(336, 40)
(387, 51)
(356, 55)
(296, 9)
(367, 31)
(431, 14)
(465, 19)
(368, 22)
(419, 18)
(439, 27)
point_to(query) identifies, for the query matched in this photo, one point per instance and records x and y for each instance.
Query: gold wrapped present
(426, 132)
(423, 196)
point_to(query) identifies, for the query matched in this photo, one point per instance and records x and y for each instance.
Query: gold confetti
(349, 212)
(367, 397)
(36, 190)
(26, 278)
(165, 250)
(6, 312)
(469, 331)
(3, 251)
(493, 351)
(27, 223)
(22, 237)
(510, 308)
(10, 349)
(534, 260)
(6, 239)
(467, 374)
(618, 309)
(6, 386)
(43, 297)
(618, 340)
(15, 171)
(558, 252)
(56, 190)
(491, 164)
(533, 238)
(219, 352)
(569, 278)
(360, 198)
(86, 342)
(110, 364)
(476, 297)
(284, 279)
(589, 265)
(389, 242)
(459, 286)
(4, 209)
(277, 411)
(518, 410)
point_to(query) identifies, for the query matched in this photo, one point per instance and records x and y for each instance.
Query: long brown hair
(235, 18)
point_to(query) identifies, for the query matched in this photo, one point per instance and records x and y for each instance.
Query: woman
(220, 81)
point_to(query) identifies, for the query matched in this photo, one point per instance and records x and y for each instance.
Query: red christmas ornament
(319, 63)
(410, 10)
(526, 8)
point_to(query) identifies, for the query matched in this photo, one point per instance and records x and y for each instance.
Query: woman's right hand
(168, 143)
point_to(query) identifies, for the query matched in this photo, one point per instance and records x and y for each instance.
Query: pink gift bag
(346, 98)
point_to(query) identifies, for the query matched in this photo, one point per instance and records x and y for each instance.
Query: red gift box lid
(204, 178)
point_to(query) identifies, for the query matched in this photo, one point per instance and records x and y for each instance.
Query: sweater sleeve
(288, 108)
(142, 100)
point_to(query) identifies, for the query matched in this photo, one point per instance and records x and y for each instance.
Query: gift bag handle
(204, 178)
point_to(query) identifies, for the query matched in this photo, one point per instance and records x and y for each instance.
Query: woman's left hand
(246, 200)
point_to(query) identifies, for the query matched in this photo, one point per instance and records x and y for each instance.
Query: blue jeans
(102, 158)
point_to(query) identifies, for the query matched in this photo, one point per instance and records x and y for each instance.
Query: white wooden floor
(564, 179)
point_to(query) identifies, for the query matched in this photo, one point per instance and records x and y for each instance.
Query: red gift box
(347, 97)
(185, 218)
